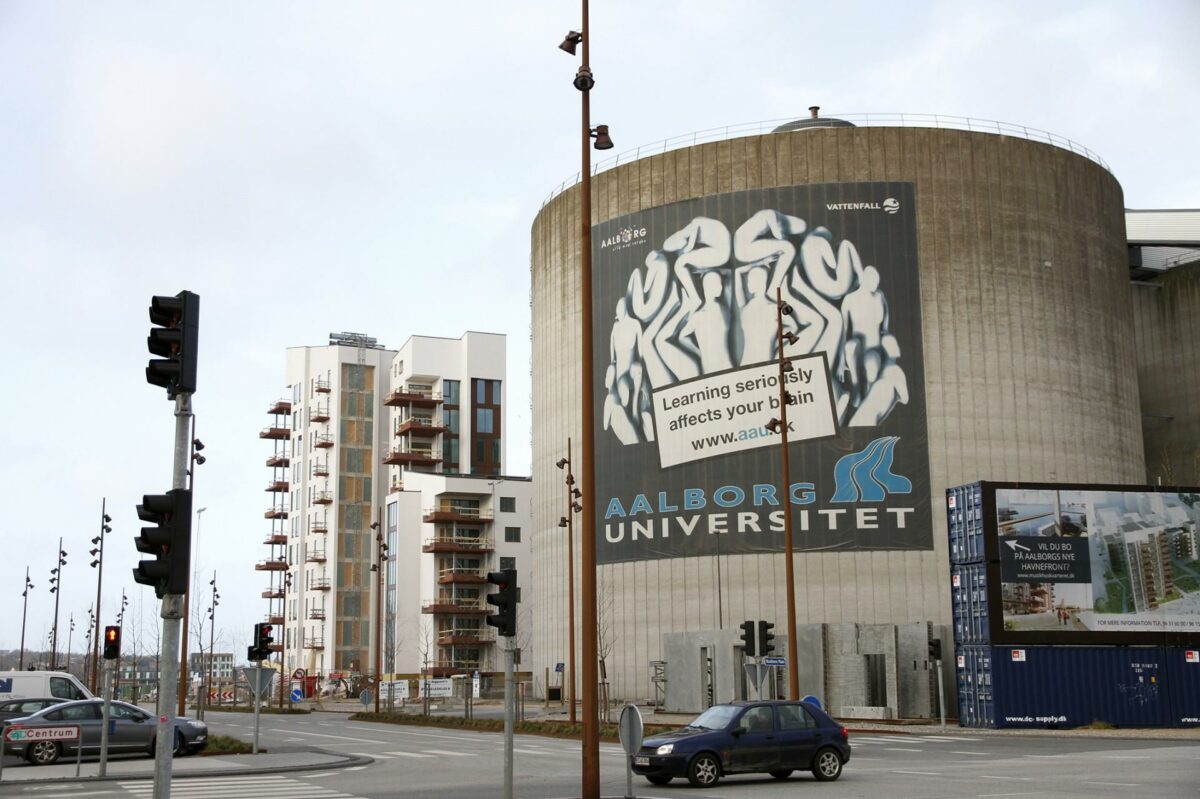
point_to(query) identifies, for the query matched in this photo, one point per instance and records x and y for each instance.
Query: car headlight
(197, 725)
(665, 749)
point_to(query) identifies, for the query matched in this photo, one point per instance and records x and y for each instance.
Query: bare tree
(604, 635)
(426, 646)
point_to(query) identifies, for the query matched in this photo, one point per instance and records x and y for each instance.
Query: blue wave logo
(867, 475)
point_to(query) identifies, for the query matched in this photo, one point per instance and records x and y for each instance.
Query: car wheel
(827, 765)
(42, 753)
(782, 775)
(704, 770)
(658, 779)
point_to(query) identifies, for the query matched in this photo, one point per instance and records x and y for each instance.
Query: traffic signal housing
(112, 643)
(935, 649)
(263, 638)
(748, 639)
(505, 599)
(169, 540)
(766, 638)
(173, 338)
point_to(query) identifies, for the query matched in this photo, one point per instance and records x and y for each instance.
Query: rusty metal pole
(793, 673)
(379, 558)
(571, 579)
(104, 519)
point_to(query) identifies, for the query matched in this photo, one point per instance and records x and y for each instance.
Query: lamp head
(571, 42)
(107, 518)
(773, 425)
(197, 444)
(575, 492)
(785, 309)
(562, 463)
(603, 142)
(562, 521)
(584, 80)
(199, 459)
(575, 506)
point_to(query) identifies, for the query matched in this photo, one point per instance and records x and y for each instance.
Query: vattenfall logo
(623, 238)
(889, 206)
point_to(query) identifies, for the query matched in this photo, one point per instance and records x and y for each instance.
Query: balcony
(453, 605)
(402, 455)
(317, 614)
(275, 433)
(274, 618)
(273, 593)
(321, 386)
(447, 668)
(276, 647)
(271, 565)
(275, 538)
(320, 469)
(457, 543)
(418, 426)
(319, 526)
(322, 497)
(315, 555)
(466, 636)
(420, 398)
(314, 643)
(276, 512)
(461, 576)
(452, 513)
(319, 413)
(280, 406)
(320, 584)
(279, 486)
(280, 460)
(323, 441)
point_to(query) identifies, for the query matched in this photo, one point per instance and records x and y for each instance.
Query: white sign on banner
(727, 412)
(441, 688)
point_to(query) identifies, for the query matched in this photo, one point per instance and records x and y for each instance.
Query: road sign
(297, 694)
(630, 729)
(67, 732)
(365, 698)
(298, 674)
(774, 661)
(558, 668)
(259, 680)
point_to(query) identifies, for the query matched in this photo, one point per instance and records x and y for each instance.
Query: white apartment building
(366, 428)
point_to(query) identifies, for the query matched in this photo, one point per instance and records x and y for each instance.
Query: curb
(347, 761)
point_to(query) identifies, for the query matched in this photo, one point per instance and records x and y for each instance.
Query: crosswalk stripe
(410, 754)
(248, 787)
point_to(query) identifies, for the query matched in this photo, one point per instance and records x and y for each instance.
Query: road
(452, 764)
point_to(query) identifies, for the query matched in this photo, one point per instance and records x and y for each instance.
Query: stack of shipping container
(1056, 672)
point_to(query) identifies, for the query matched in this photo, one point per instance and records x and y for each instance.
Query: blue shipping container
(964, 520)
(1072, 686)
(969, 604)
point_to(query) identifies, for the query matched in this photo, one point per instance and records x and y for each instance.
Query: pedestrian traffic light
(263, 638)
(505, 599)
(766, 638)
(748, 639)
(170, 541)
(174, 338)
(112, 643)
(935, 649)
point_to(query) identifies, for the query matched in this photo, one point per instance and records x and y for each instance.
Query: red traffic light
(112, 643)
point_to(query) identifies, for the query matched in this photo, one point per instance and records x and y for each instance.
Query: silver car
(40, 737)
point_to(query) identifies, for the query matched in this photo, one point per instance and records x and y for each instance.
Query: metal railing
(466, 542)
(458, 602)
(458, 510)
(461, 571)
(890, 120)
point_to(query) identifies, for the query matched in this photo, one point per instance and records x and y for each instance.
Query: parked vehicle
(30, 684)
(17, 708)
(775, 738)
(132, 730)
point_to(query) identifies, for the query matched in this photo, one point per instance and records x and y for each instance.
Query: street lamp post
(97, 554)
(584, 81)
(70, 638)
(381, 555)
(780, 425)
(55, 584)
(212, 616)
(568, 521)
(87, 649)
(194, 459)
(120, 623)
(24, 613)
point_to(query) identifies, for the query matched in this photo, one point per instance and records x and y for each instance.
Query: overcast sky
(315, 167)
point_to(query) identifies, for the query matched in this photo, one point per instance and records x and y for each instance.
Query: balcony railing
(323, 441)
(418, 426)
(446, 668)
(451, 604)
(276, 512)
(280, 459)
(319, 413)
(316, 613)
(401, 455)
(464, 576)
(321, 386)
(280, 406)
(466, 636)
(409, 395)
(314, 643)
(273, 593)
(319, 526)
(276, 618)
(276, 538)
(457, 543)
(271, 565)
(315, 555)
(452, 513)
(320, 469)
(322, 497)
(320, 584)
(275, 433)
(278, 486)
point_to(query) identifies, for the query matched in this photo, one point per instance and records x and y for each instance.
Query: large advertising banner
(688, 453)
(1076, 563)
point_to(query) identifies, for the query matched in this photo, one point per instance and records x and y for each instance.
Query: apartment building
(364, 430)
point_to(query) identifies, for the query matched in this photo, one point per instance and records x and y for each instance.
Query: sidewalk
(289, 759)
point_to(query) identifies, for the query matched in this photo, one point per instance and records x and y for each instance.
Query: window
(794, 717)
(450, 392)
(484, 418)
(508, 563)
(758, 719)
(508, 504)
(481, 393)
(512, 535)
(64, 689)
(495, 392)
(450, 419)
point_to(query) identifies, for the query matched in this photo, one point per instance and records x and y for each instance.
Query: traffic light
(748, 639)
(112, 643)
(263, 638)
(505, 599)
(174, 338)
(170, 541)
(935, 649)
(766, 638)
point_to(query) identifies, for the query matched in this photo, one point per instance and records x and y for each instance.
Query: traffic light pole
(171, 613)
(509, 712)
(107, 694)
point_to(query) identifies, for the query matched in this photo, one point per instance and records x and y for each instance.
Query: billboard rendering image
(687, 374)
(1077, 563)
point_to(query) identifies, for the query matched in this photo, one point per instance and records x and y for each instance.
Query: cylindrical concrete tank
(1022, 321)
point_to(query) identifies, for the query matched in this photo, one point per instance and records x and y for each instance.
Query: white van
(40, 684)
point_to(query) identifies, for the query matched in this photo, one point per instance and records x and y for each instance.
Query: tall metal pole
(379, 550)
(24, 614)
(70, 638)
(591, 716)
(212, 627)
(104, 520)
(57, 595)
(509, 712)
(171, 612)
(571, 577)
(187, 598)
(793, 671)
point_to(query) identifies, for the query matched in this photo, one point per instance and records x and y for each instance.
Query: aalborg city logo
(623, 238)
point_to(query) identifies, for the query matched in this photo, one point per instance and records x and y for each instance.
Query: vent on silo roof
(813, 121)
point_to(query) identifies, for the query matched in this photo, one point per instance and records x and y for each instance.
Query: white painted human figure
(763, 240)
(680, 357)
(708, 325)
(890, 388)
(865, 316)
(616, 404)
(827, 272)
(623, 346)
(646, 295)
(702, 244)
(755, 314)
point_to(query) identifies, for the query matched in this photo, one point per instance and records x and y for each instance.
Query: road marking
(372, 756)
(990, 777)
(326, 735)
(449, 753)
(1122, 757)
(247, 787)
(1120, 784)
(922, 773)
(983, 795)
(900, 749)
(955, 752)
(410, 754)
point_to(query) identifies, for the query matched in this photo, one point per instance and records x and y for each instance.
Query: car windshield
(716, 717)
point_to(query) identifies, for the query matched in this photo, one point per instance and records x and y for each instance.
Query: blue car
(774, 738)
